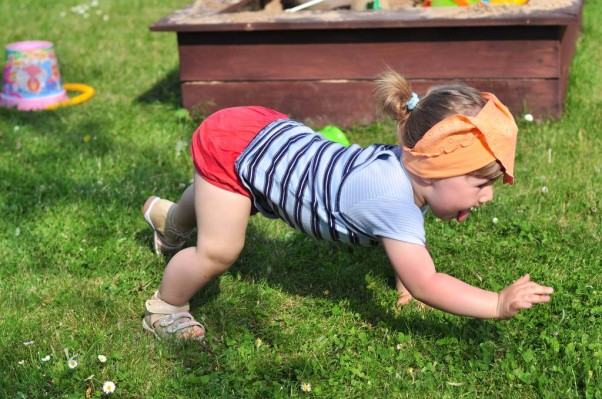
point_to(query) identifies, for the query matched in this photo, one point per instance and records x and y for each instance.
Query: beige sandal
(160, 243)
(166, 321)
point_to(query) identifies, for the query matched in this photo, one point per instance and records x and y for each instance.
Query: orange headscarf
(459, 144)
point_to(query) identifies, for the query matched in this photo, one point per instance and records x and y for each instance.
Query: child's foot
(165, 239)
(166, 321)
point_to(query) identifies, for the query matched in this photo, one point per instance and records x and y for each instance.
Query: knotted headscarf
(459, 145)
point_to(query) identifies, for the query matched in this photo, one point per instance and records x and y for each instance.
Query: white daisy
(495, 220)
(108, 387)
(306, 387)
(46, 358)
(529, 117)
(102, 358)
(72, 363)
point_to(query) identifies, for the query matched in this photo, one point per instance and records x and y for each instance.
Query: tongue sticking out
(462, 216)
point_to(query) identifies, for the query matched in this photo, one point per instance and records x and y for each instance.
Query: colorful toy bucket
(31, 78)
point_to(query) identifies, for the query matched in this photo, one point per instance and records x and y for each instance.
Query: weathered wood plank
(326, 58)
(351, 103)
(567, 50)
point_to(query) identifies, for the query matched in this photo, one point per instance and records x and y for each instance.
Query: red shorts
(222, 137)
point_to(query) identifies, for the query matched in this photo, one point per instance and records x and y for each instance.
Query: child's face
(453, 197)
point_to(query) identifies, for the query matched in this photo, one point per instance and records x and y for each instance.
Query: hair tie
(412, 102)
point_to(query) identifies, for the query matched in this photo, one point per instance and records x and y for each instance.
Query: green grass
(76, 265)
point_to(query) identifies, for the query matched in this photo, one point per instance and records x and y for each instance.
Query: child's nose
(486, 195)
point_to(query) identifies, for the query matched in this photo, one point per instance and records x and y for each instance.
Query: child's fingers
(523, 279)
(542, 290)
(527, 301)
(522, 294)
(534, 288)
(538, 298)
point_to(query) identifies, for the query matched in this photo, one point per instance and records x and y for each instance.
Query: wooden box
(318, 66)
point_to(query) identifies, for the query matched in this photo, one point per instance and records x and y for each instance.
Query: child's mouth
(463, 215)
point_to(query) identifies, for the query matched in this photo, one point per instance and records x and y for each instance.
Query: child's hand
(404, 298)
(522, 294)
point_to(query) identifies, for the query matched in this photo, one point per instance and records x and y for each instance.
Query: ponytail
(392, 94)
(394, 98)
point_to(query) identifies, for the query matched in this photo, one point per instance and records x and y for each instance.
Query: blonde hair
(392, 92)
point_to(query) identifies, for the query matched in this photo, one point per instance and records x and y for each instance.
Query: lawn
(76, 264)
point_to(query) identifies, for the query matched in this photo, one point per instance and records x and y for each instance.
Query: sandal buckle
(166, 321)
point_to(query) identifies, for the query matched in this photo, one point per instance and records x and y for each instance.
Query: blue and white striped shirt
(349, 194)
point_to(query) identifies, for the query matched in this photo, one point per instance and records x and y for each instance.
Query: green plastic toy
(333, 133)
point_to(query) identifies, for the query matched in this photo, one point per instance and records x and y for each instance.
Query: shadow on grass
(166, 90)
(339, 274)
(307, 268)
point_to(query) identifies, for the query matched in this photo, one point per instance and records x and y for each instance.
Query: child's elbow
(420, 292)
(422, 288)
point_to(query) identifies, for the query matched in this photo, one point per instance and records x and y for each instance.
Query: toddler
(455, 143)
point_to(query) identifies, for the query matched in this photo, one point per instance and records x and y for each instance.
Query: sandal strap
(174, 329)
(171, 324)
(158, 306)
(170, 318)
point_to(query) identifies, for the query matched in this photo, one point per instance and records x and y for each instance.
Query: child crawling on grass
(456, 142)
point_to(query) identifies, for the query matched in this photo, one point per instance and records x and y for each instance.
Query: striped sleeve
(383, 206)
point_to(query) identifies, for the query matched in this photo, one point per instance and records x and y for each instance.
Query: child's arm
(414, 266)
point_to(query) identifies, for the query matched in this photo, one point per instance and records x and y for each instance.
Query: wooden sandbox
(318, 66)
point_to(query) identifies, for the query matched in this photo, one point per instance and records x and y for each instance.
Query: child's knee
(219, 256)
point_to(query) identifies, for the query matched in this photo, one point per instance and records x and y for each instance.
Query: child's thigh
(222, 219)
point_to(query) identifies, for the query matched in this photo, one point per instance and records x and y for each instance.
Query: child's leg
(222, 218)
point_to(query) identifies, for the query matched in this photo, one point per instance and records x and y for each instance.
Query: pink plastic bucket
(31, 78)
